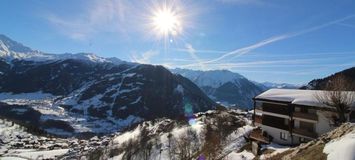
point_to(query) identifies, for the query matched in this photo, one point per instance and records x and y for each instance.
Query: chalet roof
(294, 96)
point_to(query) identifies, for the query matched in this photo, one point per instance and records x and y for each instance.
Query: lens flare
(166, 22)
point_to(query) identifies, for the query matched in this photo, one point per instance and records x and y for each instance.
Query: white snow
(245, 155)
(273, 146)
(25, 98)
(137, 100)
(213, 78)
(119, 157)
(31, 154)
(294, 96)
(127, 136)
(179, 89)
(279, 85)
(236, 139)
(342, 148)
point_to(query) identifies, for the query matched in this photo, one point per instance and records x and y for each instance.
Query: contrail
(262, 43)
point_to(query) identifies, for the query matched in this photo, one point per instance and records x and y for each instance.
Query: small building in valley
(291, 116)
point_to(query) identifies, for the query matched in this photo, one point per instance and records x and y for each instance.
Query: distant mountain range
(270, 85)
(320, 84)
(228, 88)
(69, 94)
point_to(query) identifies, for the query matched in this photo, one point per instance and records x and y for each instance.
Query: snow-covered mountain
(224, 86)
(270, 85)
(73, 94)
(10, 50)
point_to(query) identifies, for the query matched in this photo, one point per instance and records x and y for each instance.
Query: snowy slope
(341, 148)
(170, 139)
(73, 94)
(223, 86)
(10, 50)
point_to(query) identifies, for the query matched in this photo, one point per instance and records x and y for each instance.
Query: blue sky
(264, 40)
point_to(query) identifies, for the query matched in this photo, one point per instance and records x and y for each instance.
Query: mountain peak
(7, 44)
(213, 78)
(10, 49)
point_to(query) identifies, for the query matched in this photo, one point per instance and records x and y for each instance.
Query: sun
(166, 22)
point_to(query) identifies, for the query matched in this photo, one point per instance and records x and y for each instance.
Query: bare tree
(339, 96)
(184, 146)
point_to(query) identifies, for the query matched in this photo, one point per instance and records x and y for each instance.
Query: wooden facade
(282, 116)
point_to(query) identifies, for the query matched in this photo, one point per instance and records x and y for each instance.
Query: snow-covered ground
(17, 143)
(273, 146)
(244, 155)
(196, 126)
(50, 108)
(13, 136)
(32, 154)
(342, 148)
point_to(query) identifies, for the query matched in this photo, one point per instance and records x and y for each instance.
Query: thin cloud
(108, 16)
(245, 50)
(199, 51)
(192, 52)
(243, 2)
(347, 25)
(144, 58)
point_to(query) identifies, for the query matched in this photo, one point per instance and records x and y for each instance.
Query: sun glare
(166, 22)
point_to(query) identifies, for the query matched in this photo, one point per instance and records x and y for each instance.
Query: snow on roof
(294, 96)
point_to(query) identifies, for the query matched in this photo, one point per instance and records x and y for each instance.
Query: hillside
(320, 84)
(82, 94)
(212, 134)
(223, 86)
(209, 135)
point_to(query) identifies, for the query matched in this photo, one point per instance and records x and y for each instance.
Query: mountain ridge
(224, 86)
(321, 83)
(79, 94)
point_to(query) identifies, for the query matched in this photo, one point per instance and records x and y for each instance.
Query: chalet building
(291, 116)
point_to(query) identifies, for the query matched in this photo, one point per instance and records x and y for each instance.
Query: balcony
(307, 116)
(276, 109)
(304, 132)
(258, 135)
(275, 122)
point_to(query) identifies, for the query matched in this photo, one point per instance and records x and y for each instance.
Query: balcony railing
(310, 116)
(278, 109)
(304, 132)
(275, 122)
(258, 135)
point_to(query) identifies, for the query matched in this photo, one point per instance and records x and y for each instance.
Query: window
(307, 126)
(297, 109)
(312, 111)
(283, 136)
(286, 122)
(303, 140)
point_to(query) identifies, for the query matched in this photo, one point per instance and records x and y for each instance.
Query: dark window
(303, 140)
(307, 126)
(352, 116)
(283, 136)
(275, 122)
